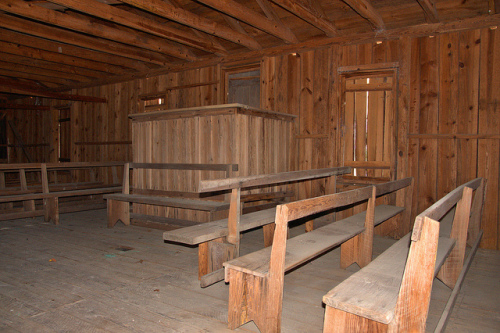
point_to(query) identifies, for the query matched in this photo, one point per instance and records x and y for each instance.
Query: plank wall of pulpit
(257, 140)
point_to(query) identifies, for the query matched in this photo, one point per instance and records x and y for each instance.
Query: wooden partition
(257, 140)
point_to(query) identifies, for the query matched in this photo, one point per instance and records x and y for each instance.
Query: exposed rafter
(429, 7)
(15, 87)
(73, 38)
(141, 23)
(40, 48)
(271, 13)
(307, 14)
(251, 17)
(185, 17)
(198, 33)
(366, 10)
(22, 64)
(22, 59)
(74, 23)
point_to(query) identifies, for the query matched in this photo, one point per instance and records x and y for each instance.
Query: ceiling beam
(32, 76)
(271, 14)
(117, 15)
(73, 38)
(40, 48)
(80, 25)
(366, 10)
(76, 64)
(9, 52)
(185, 17)
(198, 33)
(22, 64)
(429, 7)
(16, 87)
(253, 18)
(307, 14)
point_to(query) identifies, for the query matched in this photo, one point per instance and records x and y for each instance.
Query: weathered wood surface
(382, 294)
(373, 292)
(155, 284)
(257, 280)
(259, 180)
(301, 248)
(170, 202)
(211, 230)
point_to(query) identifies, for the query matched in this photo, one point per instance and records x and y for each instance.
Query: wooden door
(368, 125)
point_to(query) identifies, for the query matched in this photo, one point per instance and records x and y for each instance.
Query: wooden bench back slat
(185, 166)
(392, 299)
(442, 206)
(298, 209)
(269, 179)
(57, 166)
(393, 186)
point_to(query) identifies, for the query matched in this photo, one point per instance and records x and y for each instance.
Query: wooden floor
(83, 277)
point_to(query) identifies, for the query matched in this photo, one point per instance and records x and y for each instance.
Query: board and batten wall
(447, 111)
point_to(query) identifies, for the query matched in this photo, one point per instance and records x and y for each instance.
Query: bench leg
(51, 210)
(211, 255)
(248, 301)
(339, 321)
(118, 211)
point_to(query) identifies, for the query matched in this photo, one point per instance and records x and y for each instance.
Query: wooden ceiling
(51, 46)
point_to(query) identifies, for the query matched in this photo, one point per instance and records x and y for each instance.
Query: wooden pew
(392, 293)
(219, 241)
(256, 280)
(119, 203)
(81, 195)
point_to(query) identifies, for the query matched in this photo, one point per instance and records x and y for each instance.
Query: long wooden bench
(392, 293)
(78, 195)
(219, 241)
(256, 280)
(119, 204)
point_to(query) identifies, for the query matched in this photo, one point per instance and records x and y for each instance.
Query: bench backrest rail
(269, 179)
(262, 295)
(410, 308)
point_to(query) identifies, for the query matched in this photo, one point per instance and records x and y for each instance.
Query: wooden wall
(447, 116)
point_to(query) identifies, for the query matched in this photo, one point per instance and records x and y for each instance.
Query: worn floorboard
(81, 276)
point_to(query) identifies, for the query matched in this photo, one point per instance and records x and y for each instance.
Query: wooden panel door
(368, 124)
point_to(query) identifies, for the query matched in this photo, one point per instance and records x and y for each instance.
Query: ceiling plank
(60, 35)
(307, 14)
(28, 56)
(74, 23)
(77, 64)
(15, 87)
(141, 23)
(253, 18)
(429, 7)
(46, 68)
(27, 75)
(185, 17)
(366, 10)
(69, 54)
